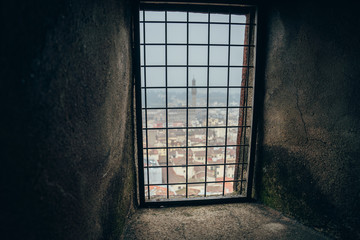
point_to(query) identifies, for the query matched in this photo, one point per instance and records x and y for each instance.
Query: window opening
(197, 86)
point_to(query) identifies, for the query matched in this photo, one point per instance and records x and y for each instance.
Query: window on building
(197, 86)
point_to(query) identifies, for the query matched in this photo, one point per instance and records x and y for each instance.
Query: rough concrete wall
(311, 115)
(67, 168)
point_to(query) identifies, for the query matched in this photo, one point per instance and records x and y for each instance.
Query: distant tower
(193, 93)
(193, 102)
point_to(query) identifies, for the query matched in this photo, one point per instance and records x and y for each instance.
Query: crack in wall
(303, 121)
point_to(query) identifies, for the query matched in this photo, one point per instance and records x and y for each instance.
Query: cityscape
(165, 160)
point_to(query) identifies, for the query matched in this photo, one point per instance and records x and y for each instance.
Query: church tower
(193, 93)
(193, 102)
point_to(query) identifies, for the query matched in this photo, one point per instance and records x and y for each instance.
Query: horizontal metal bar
(183, 128)
(233, 7)
(195, 107)
(191, 183)
(198, 87)
(199, 165)
(209, 146)
(214, 66)
(205, 23)
(196, 44)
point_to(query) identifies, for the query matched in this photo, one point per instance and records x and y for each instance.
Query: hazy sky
(198, 55)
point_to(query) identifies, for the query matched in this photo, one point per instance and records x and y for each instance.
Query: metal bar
(191, 183)
(176, 128)
(194, 22)
(229, 3)
(146, 132)
(221, 7)
(209, 3)
(166, 104)
(207, 105)
(239, 145)
(213, 66)
(160, 108)
(187, 102)
(227, 103)
(200, 165)
(196, 44)
(199, 87)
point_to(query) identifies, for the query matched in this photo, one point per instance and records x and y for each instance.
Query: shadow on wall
(308, 160)
(287, 184)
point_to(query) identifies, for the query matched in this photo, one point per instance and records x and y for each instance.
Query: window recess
(196, 84)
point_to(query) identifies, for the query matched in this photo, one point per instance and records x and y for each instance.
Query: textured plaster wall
(310, 131)
(67, 167)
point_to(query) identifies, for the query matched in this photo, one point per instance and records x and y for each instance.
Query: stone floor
(227, 221)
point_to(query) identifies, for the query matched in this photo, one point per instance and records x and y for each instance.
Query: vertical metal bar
(146, 131)
(166, 121)
(207, 103)
(187, 103)
(227, 104)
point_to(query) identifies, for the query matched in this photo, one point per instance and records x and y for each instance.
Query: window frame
(215, 7)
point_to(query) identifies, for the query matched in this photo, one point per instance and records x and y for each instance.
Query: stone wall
(67, 141)
(309, 129)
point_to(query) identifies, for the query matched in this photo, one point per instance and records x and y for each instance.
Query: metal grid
(183, 169)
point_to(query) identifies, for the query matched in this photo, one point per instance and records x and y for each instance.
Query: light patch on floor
(224, 221)
(275, 227)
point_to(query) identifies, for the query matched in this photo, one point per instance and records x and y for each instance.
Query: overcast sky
(198, 55)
